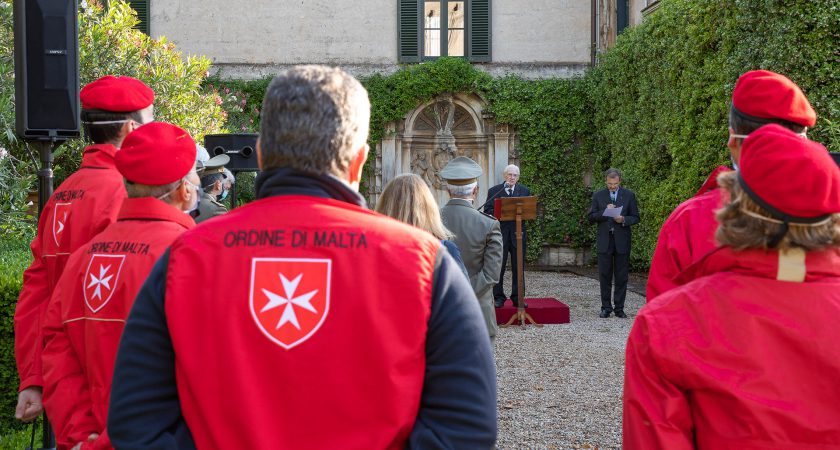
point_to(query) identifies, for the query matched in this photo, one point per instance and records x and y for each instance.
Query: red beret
(768, 95)
(156, 153)
(792, 174)
(117, 94)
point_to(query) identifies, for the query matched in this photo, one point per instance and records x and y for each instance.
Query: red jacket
(87, 313)
(82, 206)
(685, 237)
(267, 350)
(736, 358)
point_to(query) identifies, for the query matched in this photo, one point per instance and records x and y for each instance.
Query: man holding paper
(614, 209)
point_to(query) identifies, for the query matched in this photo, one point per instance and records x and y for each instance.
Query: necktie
(507, 190)
(612, 196)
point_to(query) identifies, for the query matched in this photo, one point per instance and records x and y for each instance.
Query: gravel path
(560, 386)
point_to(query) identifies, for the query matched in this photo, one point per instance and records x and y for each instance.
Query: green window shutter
(409, 30)
(479, 31)
(142, 9)
(623, 15)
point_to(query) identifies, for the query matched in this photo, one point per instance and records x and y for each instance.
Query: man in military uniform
(82, 206)
(477, 235)
(214, 188)
(92, 299)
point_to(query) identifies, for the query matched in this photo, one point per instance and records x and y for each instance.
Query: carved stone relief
(433, 134)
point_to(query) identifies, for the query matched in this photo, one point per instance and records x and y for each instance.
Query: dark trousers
(610, 263)
(509, 248)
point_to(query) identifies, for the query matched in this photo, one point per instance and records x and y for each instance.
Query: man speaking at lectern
(510, 188)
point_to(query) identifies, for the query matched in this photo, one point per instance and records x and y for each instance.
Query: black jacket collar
(287, 181)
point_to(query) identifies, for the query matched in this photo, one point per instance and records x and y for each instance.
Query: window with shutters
(432, 28)
(142, 9)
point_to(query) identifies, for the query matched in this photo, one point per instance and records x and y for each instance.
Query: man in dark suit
(510, 188)
(613, 240)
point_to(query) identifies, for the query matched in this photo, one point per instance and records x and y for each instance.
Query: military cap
(213, 165)
(117, 94)
(461, 171)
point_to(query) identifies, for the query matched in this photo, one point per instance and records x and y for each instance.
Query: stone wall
(255, 38)
(557, 256)
(435, 132)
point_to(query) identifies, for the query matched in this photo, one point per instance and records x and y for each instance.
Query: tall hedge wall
(661, 95)
(14, 258)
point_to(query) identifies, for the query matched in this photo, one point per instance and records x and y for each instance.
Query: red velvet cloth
(543, 310)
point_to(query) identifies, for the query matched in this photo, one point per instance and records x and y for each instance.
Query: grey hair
(461, 191)
(612, 172)
(509, 167)
(314, 119)
(135, 190)
(229, 176)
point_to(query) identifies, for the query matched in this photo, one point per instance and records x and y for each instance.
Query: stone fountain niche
(435, 132)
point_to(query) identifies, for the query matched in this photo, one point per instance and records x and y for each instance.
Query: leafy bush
(16, 177)
(240, 102)
(14, 258)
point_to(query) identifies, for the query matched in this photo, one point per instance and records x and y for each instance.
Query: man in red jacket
(744, 354)
(82, 206)
(760, 97)
(92, 299)
(325, 325)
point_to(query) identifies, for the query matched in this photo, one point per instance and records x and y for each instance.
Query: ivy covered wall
(661, 95)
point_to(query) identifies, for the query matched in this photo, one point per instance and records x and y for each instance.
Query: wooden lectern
(518, 209)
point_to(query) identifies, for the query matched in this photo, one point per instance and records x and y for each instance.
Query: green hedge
(14, 258)
(661, 95)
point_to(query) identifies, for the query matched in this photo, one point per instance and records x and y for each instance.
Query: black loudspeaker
(836, 157)
(241, 148)
(46, 69)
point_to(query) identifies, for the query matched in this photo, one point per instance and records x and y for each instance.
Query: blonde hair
(744, 225)
(408, 199)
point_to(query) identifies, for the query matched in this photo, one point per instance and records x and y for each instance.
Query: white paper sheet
(613, 212)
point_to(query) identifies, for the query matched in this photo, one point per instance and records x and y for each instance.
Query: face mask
(223, 195)
(194, 200)
(734, 164)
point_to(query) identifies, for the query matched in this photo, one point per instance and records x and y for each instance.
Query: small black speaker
(46, 69)
(836, 157)
(241, 148)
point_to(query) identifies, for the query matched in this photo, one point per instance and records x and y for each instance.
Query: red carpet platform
(543, 310)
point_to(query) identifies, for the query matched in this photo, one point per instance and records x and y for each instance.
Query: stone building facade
(249, 39)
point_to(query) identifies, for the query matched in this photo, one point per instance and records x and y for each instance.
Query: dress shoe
(620, 314)
(604, 314)
(499, 304)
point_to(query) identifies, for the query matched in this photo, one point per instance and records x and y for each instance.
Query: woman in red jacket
(744, 354)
